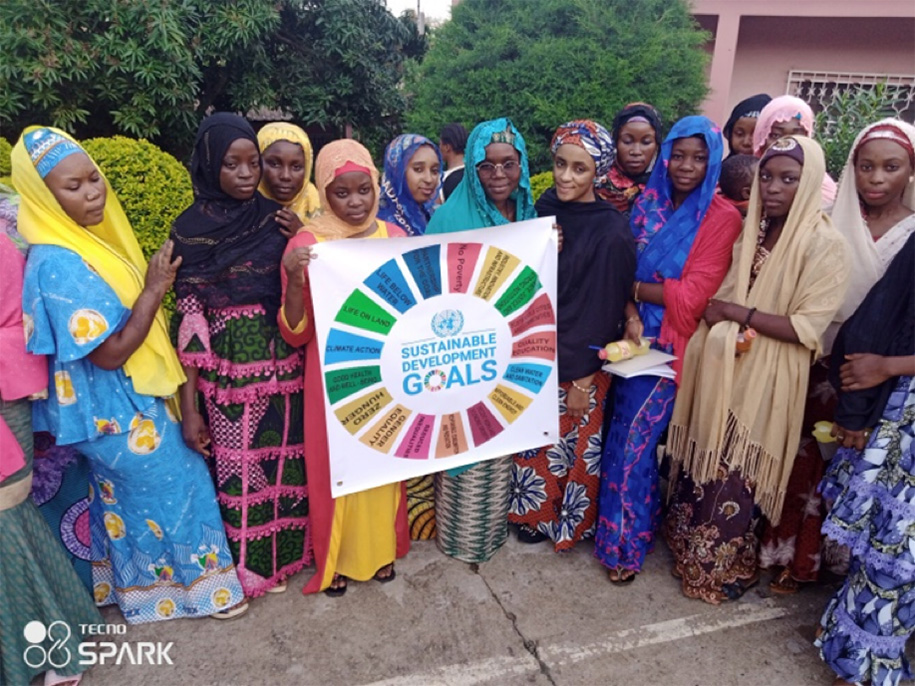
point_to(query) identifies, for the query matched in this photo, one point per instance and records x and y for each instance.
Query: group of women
(207, 450)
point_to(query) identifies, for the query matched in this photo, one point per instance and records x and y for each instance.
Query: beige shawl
(746, 413)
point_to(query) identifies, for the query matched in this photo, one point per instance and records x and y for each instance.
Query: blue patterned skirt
(629, 504)
(156, 524)
(871, 618)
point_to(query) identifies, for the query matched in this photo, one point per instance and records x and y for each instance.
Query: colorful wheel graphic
(456, 386)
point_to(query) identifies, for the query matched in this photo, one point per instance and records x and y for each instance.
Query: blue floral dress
(871, 618)
(153, 513)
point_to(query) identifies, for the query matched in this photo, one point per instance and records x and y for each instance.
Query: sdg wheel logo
(439, 350)
(36, 655)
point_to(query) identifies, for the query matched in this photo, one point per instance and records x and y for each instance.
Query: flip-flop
(385, 579)
(339, 591)
(232, 612)
(784, 584)
(619, 580)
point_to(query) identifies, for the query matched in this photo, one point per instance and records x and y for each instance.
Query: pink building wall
(757, 42)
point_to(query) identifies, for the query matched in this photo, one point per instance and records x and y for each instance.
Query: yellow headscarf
(111, 249)
(306, 202)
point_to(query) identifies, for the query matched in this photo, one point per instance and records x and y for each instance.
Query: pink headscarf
(782, 109)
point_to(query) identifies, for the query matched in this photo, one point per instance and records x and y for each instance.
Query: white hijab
(870, 258)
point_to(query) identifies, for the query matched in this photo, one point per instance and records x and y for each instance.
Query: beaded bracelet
(746, 322)
(580, 389)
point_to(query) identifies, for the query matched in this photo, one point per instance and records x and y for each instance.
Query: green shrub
(540, 183)
(847, 113)
(5, 150)
(153, 187)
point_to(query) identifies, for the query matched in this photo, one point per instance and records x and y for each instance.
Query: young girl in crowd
(243, 397)
(91, 304)
(471, 503)
(739, 129)
(636, 138)
(684, 234)
(868, 622)
(37, 580)
(410, 185)
(287, 159)
(554, 489)
(356, 536)
(411, 182)
(873, 211)
(787, 115)
(737, 419)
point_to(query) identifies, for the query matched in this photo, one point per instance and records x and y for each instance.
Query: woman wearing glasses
(471, 504)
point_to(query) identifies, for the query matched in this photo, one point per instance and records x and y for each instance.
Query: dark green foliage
(543, 62)
(848, 112)
(153, 68)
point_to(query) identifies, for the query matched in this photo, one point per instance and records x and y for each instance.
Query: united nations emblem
(448, 323)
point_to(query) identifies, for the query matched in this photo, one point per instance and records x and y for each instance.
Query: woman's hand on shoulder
(289, 222)
(160, 275)
(295, 262)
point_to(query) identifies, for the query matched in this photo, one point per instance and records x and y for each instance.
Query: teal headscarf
(468, 207)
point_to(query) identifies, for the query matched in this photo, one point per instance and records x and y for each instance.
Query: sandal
(620, 576)
(338, 590)
(232, 612)
(279, 588)
(784, 583)
(528, 534)
(736, 590)
(385, 579)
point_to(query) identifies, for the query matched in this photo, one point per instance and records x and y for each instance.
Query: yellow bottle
(623, 350)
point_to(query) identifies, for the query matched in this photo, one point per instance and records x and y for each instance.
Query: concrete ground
(528, 616)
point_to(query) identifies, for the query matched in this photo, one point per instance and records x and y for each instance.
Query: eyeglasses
(489, 169)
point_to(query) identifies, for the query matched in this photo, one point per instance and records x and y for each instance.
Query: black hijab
(751, 107)
(883, 324)
(638, 109)
(231, 249)
(596, 269)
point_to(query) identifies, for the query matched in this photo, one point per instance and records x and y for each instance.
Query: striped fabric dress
(471, 510)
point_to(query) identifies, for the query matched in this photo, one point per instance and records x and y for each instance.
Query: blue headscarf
(396, 203)
(664, 236)
(468, 207)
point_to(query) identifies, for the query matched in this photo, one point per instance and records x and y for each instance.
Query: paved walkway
(528, 616)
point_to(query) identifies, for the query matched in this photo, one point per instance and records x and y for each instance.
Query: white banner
(436, 351)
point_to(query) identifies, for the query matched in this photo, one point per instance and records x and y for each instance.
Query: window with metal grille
(819, 88)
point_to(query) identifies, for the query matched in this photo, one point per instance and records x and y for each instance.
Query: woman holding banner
(471, 504)
(554, 488)
(356, 536)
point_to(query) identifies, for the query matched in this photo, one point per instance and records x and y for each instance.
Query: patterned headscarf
(468, 207)
(47, 149)
(305, 203)
(397, 204)
(662, 253)
(593, 138)
(781, 109)
(334, 159)
(617, 187)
